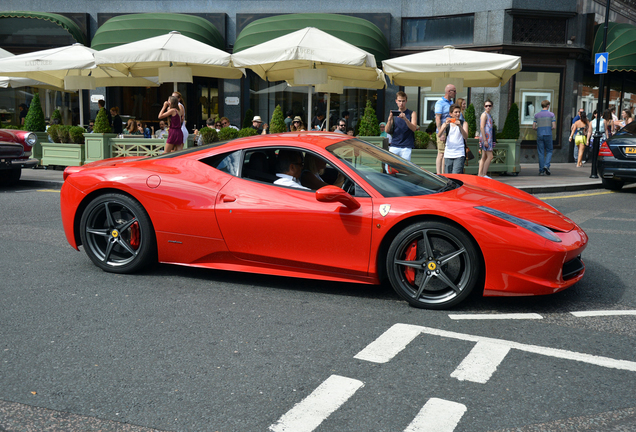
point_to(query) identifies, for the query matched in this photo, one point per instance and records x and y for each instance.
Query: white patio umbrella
(71, 67)
(172, 57)
(449, 65)
(312, 57)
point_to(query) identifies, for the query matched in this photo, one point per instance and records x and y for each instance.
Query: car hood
(478, 191)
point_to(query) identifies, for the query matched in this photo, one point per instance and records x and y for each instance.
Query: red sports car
(231, 206)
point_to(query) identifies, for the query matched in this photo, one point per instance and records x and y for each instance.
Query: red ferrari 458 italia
(322, 206)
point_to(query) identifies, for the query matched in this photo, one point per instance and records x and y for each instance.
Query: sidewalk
(565, 177)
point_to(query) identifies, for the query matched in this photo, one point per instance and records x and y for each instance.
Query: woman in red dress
(171, 110)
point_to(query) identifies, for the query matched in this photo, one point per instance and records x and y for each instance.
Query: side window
(260, 164)
(226, 162)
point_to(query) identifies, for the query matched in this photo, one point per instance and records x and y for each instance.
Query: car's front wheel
(432, 265)
(117, 234)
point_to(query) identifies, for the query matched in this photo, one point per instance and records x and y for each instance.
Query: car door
(284, 226)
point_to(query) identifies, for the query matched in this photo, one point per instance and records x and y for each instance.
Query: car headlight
(31, 139)
(530, 226)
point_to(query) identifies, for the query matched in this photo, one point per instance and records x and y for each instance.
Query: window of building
(265, 96)
(422, 32)
(532, 88)
(539, 30)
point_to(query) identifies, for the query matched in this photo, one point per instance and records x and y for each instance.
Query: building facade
(554, 40)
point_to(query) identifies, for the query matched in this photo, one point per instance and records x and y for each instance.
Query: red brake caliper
(134, 235)
(411, 255)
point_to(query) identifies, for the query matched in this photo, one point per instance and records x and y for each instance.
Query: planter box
(63, 154)
(97, 146)
(36, 151)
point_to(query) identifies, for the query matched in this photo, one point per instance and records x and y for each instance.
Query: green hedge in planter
(277, 125)
(208, 135)
(511, 125)
(76, 134)
(247, 120)
(34, 121)
(57, 115)
(246, 132)
(53, 132)
(471, 119)
(369, 125)
(228, 133)
(421, 139)
(101, 122)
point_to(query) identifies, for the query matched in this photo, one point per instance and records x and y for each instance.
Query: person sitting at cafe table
(162, 132)
(258, 124)
(131, 128)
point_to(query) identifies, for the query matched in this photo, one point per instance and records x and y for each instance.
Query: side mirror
(335, 194)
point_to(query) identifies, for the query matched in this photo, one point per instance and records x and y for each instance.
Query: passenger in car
(289, 165)
(314, 168)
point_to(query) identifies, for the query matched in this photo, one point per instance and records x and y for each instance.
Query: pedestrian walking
(544, 123)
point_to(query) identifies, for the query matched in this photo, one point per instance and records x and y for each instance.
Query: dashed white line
(389, 344)
(437, 415)
(511, 316)
(397, 329)
(307, 415)
(603, 313)
(482, 361)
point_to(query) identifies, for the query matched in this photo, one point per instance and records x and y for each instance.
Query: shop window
(421, 32)
(531, 89)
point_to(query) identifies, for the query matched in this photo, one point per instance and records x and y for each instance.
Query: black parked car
(617, 158)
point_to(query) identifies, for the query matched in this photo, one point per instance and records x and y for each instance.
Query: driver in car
(289, 167)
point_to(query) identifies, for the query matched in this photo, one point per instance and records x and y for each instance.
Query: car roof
(303, 139)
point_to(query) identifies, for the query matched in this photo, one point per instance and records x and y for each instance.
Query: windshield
(389, 174)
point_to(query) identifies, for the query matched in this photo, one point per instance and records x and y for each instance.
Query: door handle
(227, 198)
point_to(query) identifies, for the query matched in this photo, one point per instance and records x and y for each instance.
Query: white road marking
(481, 363)
(389, 344)
(437, 415)
(307, 415)
(373, 351)
(495, 316)
(603, 313)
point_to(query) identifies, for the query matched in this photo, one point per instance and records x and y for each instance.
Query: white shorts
(403, 152)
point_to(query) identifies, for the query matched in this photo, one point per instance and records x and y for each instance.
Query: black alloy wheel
(432, 265)
(117, 234)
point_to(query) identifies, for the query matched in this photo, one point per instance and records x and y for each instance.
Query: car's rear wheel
(612, 184)
(432, 265)
(117, 234)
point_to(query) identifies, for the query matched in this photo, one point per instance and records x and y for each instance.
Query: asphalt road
(179, 349)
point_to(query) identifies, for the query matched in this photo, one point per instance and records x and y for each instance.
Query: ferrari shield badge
(385, 209)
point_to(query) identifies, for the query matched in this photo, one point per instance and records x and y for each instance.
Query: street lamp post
(599, 110)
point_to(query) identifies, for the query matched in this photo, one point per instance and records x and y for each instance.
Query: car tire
(433, 265)
(10, 177)
(612, 184)
(117, 234)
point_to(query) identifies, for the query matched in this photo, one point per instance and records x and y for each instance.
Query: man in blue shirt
(403, 128)
(441, 113)
(544, 123)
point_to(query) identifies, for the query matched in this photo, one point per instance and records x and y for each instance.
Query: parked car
(616, 162)
(15, 152)
(434, 238)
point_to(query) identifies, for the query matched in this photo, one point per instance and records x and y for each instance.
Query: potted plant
(57, 115)
(34, 122)
(76, 134)
(369, 127)
(208, 135)
(228, 133)
(277, 125)
(246, 132)
(98, 142)
(247, 120)
(508, 142)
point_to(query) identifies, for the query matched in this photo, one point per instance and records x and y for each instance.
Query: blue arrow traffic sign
(600, 63)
